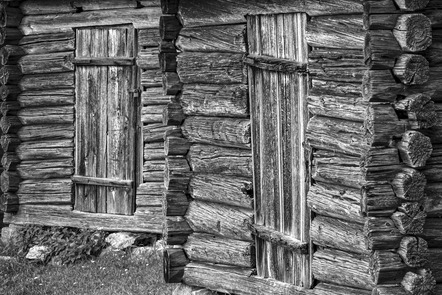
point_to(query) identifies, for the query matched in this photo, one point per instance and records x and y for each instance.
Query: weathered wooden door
(278, 90)
(106, 116)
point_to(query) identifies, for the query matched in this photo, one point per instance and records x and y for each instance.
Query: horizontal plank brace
(78, 179)
(104, 61)
(275, 64)
(278, 238)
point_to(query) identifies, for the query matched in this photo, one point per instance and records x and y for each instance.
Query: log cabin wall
(38, 111)
(373, 101)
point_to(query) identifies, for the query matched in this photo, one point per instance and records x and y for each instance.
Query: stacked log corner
(176, 173)
(10, 122)
(374, 105)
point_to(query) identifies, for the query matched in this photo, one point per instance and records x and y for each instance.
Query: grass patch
(117, 273)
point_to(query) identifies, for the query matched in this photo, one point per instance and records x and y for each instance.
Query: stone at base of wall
(9, 233)
(183, 289)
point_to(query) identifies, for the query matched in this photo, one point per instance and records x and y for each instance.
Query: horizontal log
(86, 5)
(154, 151)
(343, 89)
(9, 161)
(221, 220)
(321, 133)
(45, 186)
(44, 198)
(168, 61)
(234, 280)
(344, 31)
(381, 233)
(196, 13)
(12, 16)
(174, 261)
(338, 234)
(45, 98)
(9, 54)
(418, 110)
(169, 6)
(10, 36)
(148, 58)
(47, 81)
(433, 53)
(155, 132)
(215, 100)
(432, 87)
(10, 181)
(435, 265)
(220, 160)
(47, 43)
(46, 7)
(234, 191)
(213, 249)
(350, 107)
(47, 63)
(176, 230)
(170, 27)
(175, 203)
(173, 114)
(335, 201)
(35, 169)
(41, 24)
(379, 200)
(331, 289)
(381, 49)
(9, 142)
(46, 115)
(151, 78)
(9, 203)
(274, 64)
(172, 84)
(151, 188)
(10, 74)
(432, 233)
(386, 267)
(214, 68)
(97, 181)
(149, 37)
(217, 131)
(412, 69)
(45, 149)
(9, 92)
(175, 146)
(46, 131)
(152, 114)
(10, 124)
(63, 215)
(388, 290)
(380, 85)
(229, 38)
(154, 96)
(342, 268)
(9, 108)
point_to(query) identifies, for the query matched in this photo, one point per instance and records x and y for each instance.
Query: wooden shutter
(106, 116)
(278, 90)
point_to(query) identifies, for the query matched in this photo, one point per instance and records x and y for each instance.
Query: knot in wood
(413, 32)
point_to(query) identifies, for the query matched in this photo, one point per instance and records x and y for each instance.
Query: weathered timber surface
(433, 53)
(9, 92)
(45, 186)
(9, 108)
(46, 115)
(388, 290)
(57, 97)
(35, 169)
(433, 204)
(170, 26)
(9, 203)
(174, 261)
(173, 114)
(386, 267)
(9, 142)
(234, 191)
(343, 268)
(435, 263)
(151, 78)
(154, 151)
(155, 132)
(215, 100)
(200, 13)
(46, 149)
(321, 134)
(175, 203)
(220, 160)
(409, 184)
(221, 220)
(381, 233)
(58, 215)
(10, 124)
(413, 32)
(47, 63)
(409, 218)
(9, 161)
(350, 107)
(235, 280)
(212, 68)
(380, 85)
(230, 38)
(338, 234)
(344, 31)
(47, 81)
(47, 43)
(335, 201)
(46, 131)
(154, 96)
(149, 37)
(175, 146)
(331, 289)
(10, 181)
(172, 84)
(146, 17)
(213, 249)
(148, 58)
(217, 131)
